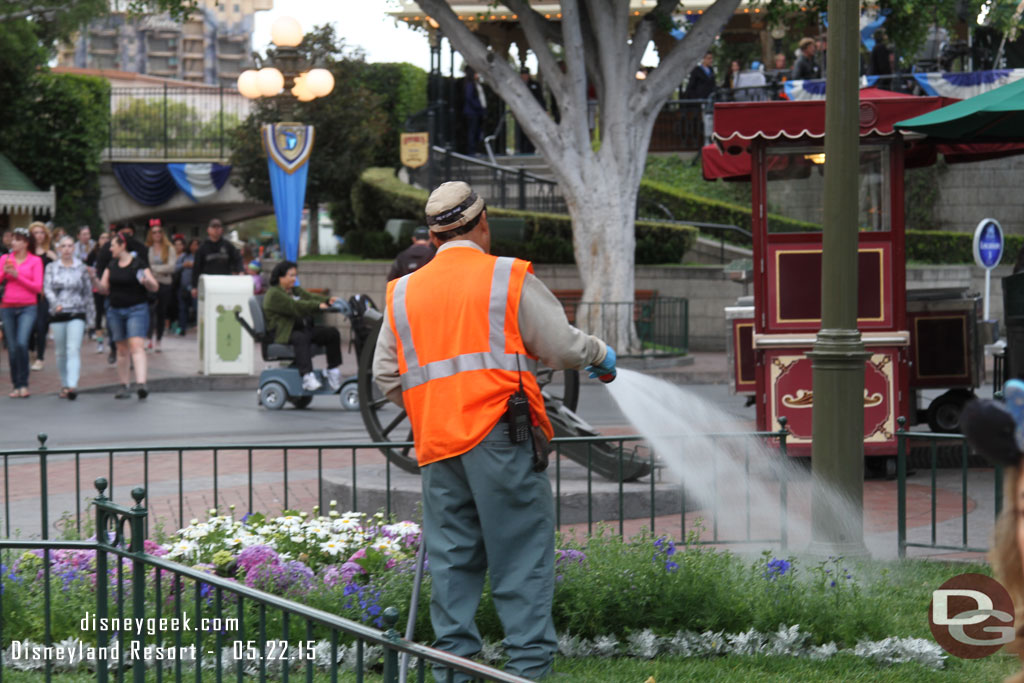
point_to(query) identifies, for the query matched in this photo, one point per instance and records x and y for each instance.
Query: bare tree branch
(665, 78)
(575, 102)
(539, 32)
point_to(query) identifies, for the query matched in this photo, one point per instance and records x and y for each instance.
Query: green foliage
(934, 246)
(921, 188)
(374, 244)
(58, 138)
(351, 121)
(379, 196)
(402, 88)
(150, 123)
(685, 175)
(686, 205)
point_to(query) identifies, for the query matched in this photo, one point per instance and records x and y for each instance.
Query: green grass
(759, 669)
(685, 175)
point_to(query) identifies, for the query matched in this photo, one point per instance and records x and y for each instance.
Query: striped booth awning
(26, 201)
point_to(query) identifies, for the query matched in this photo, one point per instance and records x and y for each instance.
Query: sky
(361, 23)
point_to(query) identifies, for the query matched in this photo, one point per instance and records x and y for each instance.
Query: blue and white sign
(988, 243)
(988, 252)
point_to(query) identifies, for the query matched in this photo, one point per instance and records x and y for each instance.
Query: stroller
(278, 386)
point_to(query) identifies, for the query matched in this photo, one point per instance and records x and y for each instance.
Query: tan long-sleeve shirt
(545, 331)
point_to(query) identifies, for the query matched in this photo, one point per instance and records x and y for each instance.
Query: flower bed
(644, 597)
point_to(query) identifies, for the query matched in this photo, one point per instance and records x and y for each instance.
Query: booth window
(796, 189)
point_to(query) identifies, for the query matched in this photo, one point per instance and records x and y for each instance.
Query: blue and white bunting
(199, 181)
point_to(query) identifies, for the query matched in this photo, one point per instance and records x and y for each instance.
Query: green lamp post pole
(837, 452)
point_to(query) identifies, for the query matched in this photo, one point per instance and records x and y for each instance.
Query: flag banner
(959, 85)
(966, 84)
(288, 146)
(199, 181)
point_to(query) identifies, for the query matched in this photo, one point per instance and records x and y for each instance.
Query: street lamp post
(288, 144)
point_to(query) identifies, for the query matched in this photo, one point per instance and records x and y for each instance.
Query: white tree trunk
(598, 48)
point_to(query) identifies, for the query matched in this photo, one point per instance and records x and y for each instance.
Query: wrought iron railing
(173, 122)
(233, 629)
(940, 449)
(501, 186)
(46, 490)
(662, 323)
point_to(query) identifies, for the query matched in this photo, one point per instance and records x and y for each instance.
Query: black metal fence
(174, 122)
(171, 618)
(501, 186)
(943, 449)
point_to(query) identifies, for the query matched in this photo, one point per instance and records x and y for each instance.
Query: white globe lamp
(320, 82)
(286, 32)
(270, 81)
(248, 84)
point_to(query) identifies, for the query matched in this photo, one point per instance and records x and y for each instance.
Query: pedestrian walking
(99, 301)
(216, 256)
(412, 257)
(21, 274)
(127, 282)
(161, 264)
(37, 342)
(186, 300)
(84, 245)
(138, 250)
(460, 338)
(68, 287)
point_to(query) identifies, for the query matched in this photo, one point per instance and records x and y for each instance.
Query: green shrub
(687, 206)
(933, 246)
(380, 195)
(371, 244)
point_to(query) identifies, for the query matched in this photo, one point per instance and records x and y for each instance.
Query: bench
(642, 298)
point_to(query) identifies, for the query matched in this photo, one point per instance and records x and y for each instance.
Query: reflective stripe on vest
(493, 359)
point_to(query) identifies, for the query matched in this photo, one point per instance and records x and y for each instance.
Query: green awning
(994, 116)
(18, 194)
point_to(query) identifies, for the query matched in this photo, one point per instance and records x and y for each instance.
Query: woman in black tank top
(126, 282)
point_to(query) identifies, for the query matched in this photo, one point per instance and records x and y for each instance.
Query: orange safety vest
(456, 322)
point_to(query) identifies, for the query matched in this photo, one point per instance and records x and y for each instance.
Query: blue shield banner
(288, 146)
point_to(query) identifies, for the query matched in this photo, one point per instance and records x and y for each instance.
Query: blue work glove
(606, 370)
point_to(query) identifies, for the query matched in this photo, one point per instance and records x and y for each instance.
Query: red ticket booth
(780, 147)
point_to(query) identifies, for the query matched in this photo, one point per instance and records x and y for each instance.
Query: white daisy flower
(184, 549)
(331, 547)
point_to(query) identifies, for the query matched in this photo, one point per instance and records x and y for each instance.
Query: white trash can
(225, 348)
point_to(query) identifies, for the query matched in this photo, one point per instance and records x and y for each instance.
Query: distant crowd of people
(64, 287)
(758, 82)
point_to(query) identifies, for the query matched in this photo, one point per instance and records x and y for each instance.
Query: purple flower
(256, 555)
(671, 566)
(154, 548)
(569, 556)
(776, 568)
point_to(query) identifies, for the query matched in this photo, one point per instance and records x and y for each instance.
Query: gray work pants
(488, 509)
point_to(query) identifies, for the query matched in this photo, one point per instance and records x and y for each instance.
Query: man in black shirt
(702, 80)
(806, 68)
(216, 256)
(416, 256)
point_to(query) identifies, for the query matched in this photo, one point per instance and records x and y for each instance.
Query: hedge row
(935, 246)
(379, 196)
(687, 206)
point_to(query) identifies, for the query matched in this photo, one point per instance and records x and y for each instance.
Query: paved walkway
(209, 478)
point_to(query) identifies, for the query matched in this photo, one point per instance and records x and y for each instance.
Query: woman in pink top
(21, 273)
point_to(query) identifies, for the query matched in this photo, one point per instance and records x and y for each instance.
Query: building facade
(213, 46)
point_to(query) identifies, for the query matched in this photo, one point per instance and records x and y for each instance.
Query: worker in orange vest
(460, 339)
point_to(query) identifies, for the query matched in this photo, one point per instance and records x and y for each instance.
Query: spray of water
(735, 476)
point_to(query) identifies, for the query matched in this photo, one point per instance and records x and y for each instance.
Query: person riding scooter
(289, 315)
